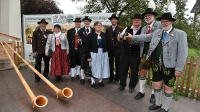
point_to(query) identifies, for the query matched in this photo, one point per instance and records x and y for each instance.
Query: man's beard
(150, 21)
(166, 27)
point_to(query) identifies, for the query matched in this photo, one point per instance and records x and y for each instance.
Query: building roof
(196, 7)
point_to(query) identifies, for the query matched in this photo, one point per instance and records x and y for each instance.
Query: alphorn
(64, 93)
(40, 100)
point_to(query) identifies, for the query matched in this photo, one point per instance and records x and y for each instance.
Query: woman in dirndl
(97, 49)
(58, 43)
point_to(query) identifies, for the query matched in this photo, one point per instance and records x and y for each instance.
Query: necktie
(149, 29)
(164, 36)
(87, 30)
(43, 32)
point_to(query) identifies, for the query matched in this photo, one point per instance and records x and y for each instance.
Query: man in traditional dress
(75, 59)
(38, 45)
(113, 31)
(168, 49)
(130, 55)
(149, 16)
(83, 33)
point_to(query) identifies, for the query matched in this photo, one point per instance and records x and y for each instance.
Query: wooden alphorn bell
(40, 100)
(64, 93)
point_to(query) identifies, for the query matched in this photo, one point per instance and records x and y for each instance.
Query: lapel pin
(172, 35)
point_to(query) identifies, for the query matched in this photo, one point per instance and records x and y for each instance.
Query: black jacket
(82, 35)
(71, 39)
(92, 46)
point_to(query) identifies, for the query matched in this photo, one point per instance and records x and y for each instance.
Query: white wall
(10, 17)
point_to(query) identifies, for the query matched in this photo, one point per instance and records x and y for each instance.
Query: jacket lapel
(169, 36)
(73, 31)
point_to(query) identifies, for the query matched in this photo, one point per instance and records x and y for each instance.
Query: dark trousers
(114, 60)
(75, 60)
(38, 60)
(133, 61)
(83, 60)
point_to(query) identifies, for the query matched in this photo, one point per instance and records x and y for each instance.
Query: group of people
(157, 45)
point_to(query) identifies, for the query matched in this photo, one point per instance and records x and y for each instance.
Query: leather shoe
(94, 86)
(154, 107)
(131, 90)
(116, 82)
(77, 77)
(89, 80)
(152, 99)
(121, 88)
(139, 95)
(37, 80)
(101, 84)
(109, 81)
(72, 79)
(82, 81)
(162, 110)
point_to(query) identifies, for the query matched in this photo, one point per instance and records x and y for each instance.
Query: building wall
(10, 18)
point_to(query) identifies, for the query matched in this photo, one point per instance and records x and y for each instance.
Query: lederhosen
(130, 57)
(160, 72)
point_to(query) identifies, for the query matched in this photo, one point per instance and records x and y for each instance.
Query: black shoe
(138, 96)
(109, 81)
(162, 110)
(154, 107)
(89, 80)
(57, 78)
(116, 82)
(152, 99)
(72, 79)
(101, 84)
(37, 80)
(121, 88)
(94, 86)
(82, 81)
(77, 77)
(131, 90)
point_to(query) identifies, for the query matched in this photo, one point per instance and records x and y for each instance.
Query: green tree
(126, 8)
(40, 7)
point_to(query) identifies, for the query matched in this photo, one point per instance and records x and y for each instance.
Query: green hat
(167, 15)
(149, 11)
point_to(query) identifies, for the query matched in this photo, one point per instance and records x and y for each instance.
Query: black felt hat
(113, 16)
(149, 11)
(42, 21)
(137, 15)
(87, 18)
(167, 15)
(77, 20)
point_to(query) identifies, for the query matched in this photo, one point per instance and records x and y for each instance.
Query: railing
(16, 45)
(188, 84)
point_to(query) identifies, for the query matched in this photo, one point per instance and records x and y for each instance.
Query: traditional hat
(42, 21)
(167, 15)
(87, 18)
(149, 11)
(137, 15)
(113, 16)
(77, 20)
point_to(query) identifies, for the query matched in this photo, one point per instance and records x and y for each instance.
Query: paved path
(14, 98)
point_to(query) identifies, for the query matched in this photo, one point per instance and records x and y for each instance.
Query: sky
(71, 8)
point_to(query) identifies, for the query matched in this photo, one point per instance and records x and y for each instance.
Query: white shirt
(132, 27)
(88, 28)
